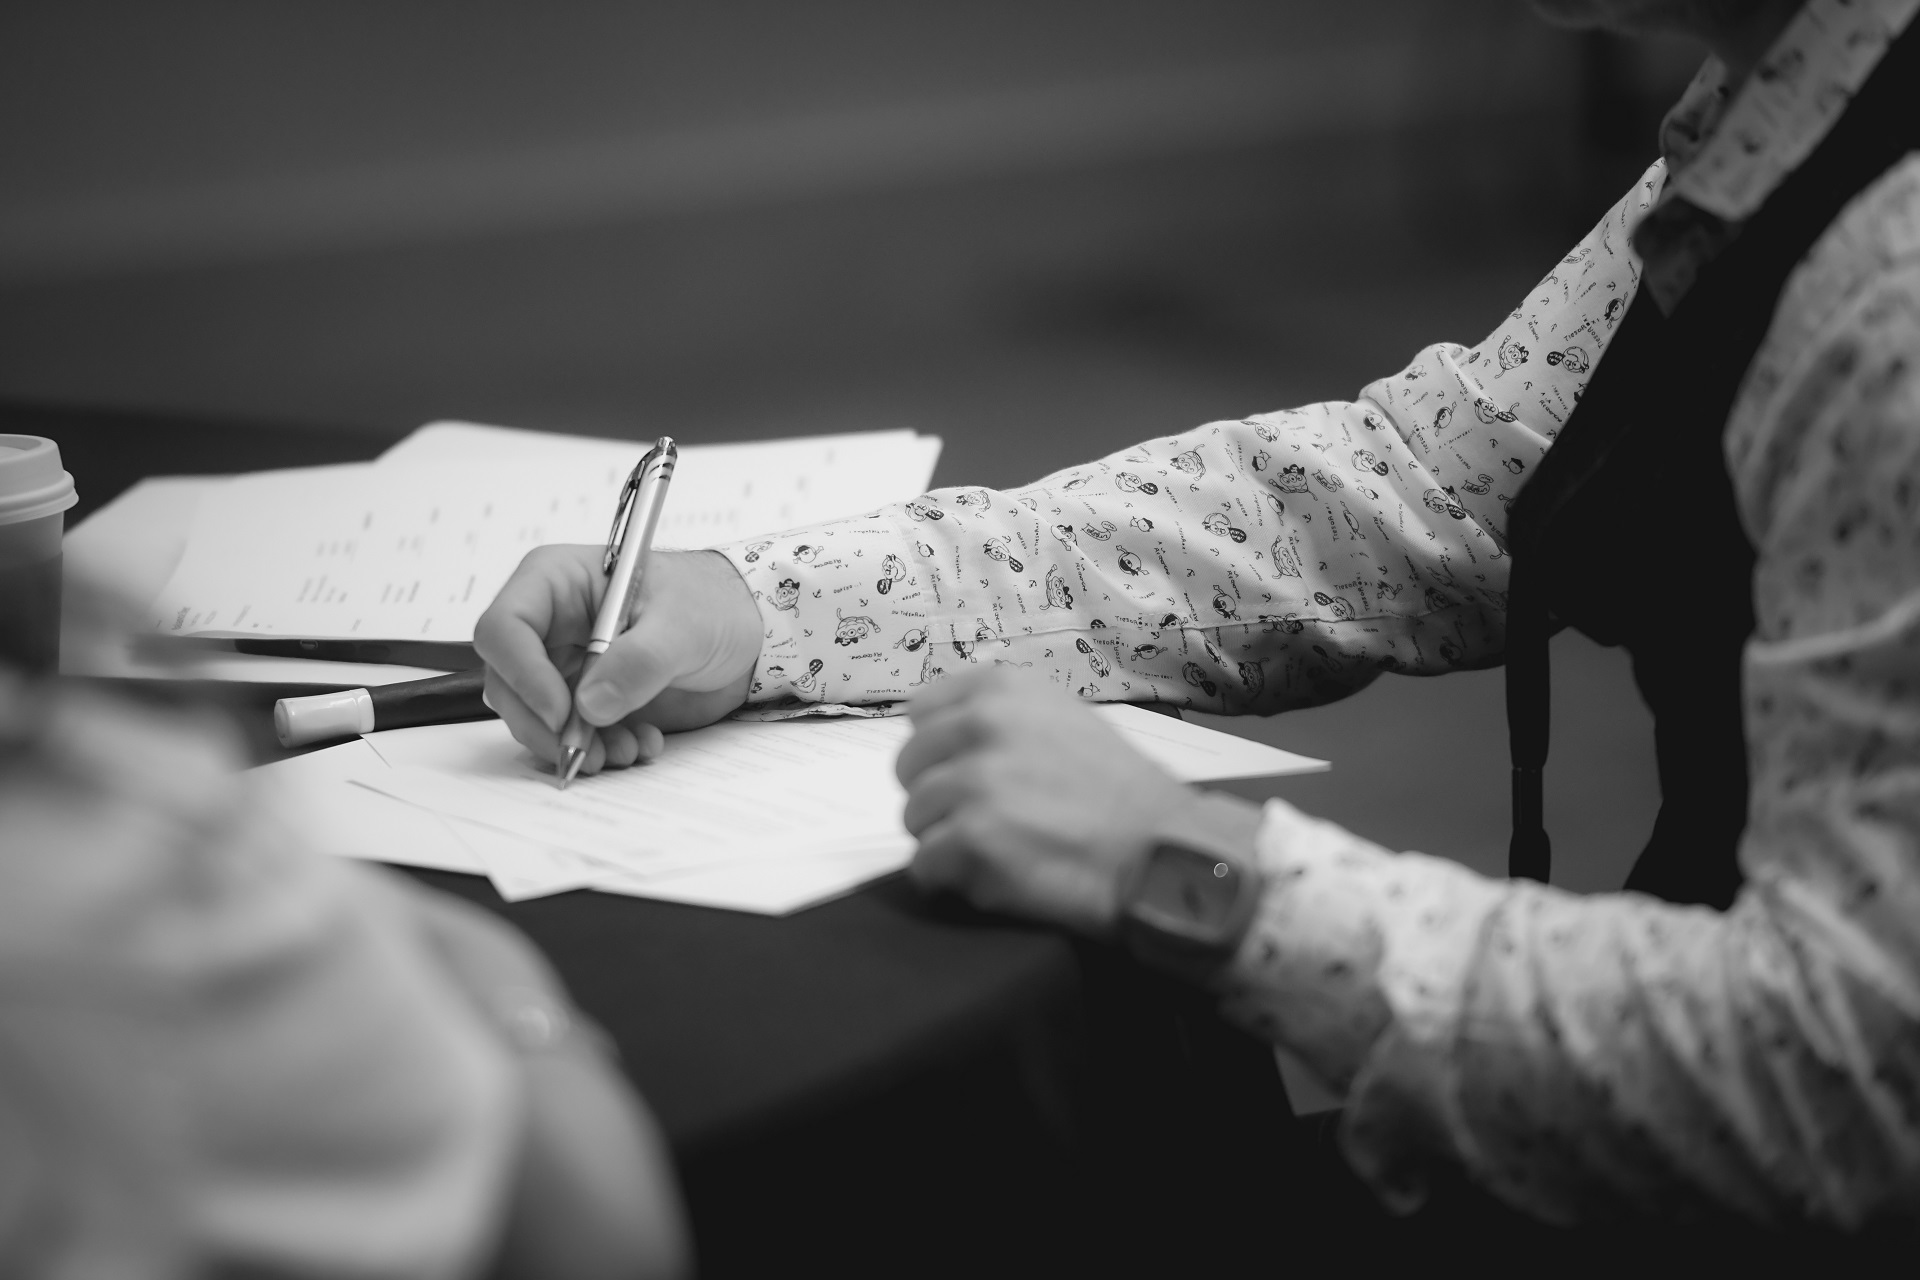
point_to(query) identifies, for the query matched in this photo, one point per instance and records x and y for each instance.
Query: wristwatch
(1190, 900)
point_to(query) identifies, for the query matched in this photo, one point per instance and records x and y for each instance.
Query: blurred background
(1041, 230)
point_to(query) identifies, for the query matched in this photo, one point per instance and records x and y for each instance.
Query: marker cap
(299, 721)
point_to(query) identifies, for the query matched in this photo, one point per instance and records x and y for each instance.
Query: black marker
(439, 700)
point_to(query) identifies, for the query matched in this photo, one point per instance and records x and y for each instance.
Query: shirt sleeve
(1590, 1057)
(218, 1051)
(1278, 561)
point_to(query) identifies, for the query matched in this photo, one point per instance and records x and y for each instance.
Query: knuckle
(970, 777)
(492, 693)
(914, 816)
(546, 556)
(976, 828)
(976, 723)
(488, 633)
(958, 864)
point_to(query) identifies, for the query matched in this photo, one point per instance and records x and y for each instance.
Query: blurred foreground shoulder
(215, 1048)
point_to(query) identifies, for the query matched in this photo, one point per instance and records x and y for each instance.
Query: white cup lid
(32, 482)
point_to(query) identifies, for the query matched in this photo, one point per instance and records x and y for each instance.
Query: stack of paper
(415, 545)
(412, 546)
(752, 816)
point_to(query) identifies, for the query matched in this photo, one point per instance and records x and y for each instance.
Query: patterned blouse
(1583, 1057)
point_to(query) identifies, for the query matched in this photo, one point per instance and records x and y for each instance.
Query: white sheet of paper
(129, 548)
(413, 548)
(354, 821)
(131, 544)
(731, 792)
(1195, 753)
(770, 886)
(521, 869)
(453, 441)
(339, 818)
(349, 821)
(749, 816)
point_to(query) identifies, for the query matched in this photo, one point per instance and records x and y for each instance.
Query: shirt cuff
(842, 613)
(1358, 962)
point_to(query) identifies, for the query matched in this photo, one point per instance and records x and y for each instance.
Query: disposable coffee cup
(35, 492)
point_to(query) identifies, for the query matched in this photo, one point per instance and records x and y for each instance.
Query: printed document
(752, 816)
(415, 545)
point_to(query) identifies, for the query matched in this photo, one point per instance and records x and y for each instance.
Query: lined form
(732, 792)
(748, 815)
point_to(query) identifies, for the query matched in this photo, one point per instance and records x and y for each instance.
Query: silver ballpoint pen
(625, 562)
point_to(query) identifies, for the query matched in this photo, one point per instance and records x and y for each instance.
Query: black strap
(1603, 421)
(1529, 703)
(1672, 380)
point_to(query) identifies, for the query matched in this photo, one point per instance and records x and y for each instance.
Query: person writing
(1697, 437)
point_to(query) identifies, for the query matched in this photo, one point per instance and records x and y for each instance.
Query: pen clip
(662, 454)
(621, 515)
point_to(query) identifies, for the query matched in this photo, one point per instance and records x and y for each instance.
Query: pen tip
(570, 761)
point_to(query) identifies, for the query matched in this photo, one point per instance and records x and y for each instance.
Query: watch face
(1187, 891)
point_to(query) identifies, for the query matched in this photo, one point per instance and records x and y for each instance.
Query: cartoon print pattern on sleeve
(1278, 561)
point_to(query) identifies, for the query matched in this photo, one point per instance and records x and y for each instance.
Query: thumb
(641, 662)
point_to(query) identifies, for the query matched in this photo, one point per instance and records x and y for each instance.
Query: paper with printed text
(415, 545)
(749, 815)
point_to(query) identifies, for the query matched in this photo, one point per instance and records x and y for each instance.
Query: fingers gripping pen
(625, 562)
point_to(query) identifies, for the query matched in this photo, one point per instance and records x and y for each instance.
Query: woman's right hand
(686, 661)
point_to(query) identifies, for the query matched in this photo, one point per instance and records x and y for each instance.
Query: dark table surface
(879, 1083)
